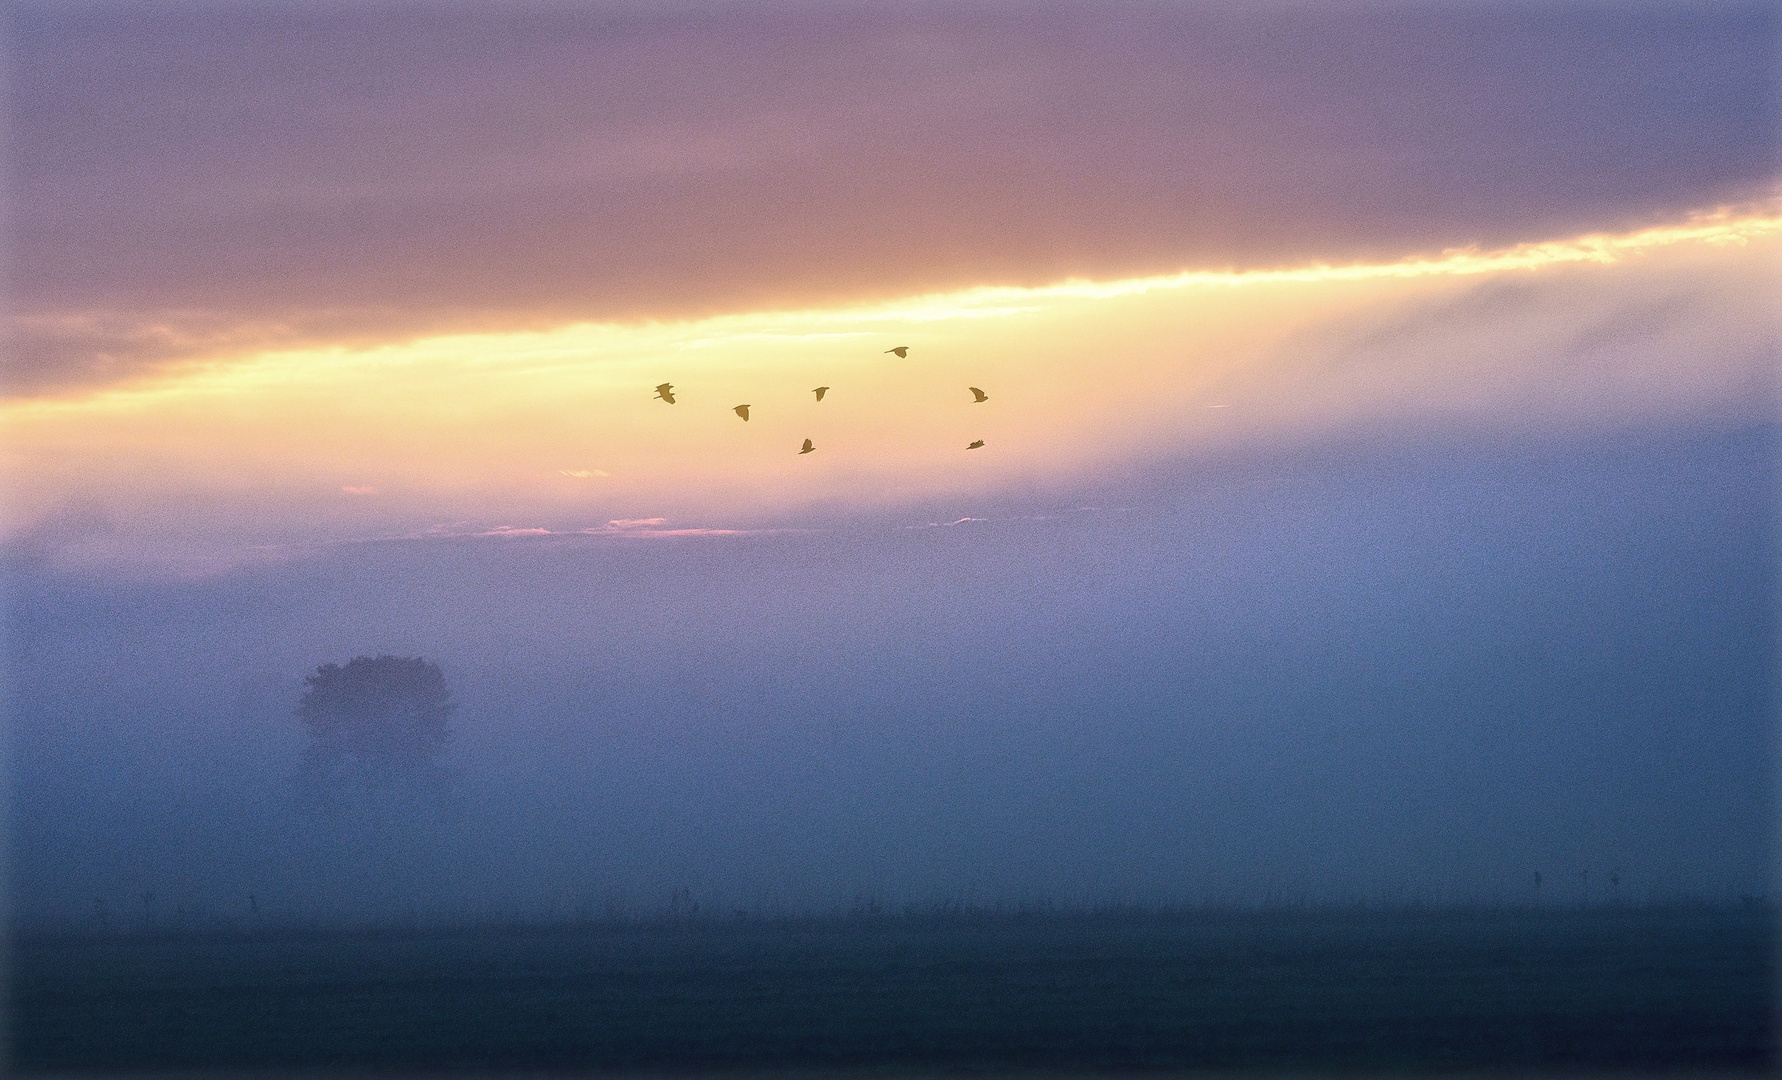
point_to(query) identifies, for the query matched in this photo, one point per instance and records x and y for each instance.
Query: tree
(381, 721)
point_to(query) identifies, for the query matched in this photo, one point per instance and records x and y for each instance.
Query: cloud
(653, 527)
(633, 527)
(1023, 517)
(945, 524)
(648, 528)
(1670, 324)
(360, 490)
(583, 474)
(348, 175)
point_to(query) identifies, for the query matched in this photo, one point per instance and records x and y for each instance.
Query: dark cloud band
(200, 181)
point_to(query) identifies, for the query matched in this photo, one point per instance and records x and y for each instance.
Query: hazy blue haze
(1420, 668)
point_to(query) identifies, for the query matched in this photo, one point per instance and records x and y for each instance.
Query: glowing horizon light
(1719, 227)
(477, 428)
(1723, 226)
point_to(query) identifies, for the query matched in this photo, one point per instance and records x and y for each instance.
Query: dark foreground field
(1685, 990)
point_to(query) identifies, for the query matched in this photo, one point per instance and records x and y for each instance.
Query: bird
(979, 395)
(901, 351)
(666, 392)
(975, 443)
(820, 391)
(742, 411)
(807, 447)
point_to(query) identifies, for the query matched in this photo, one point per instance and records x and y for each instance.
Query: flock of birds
(666, 392)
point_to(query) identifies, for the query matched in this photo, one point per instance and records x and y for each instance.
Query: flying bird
(666, 392)
(807, 447)
(901, 351)
(979, 395)
(742, 411)
(975, 443)
(820, 391)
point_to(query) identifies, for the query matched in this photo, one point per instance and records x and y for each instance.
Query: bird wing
(819, 392)
(979, 394)
(742, 411)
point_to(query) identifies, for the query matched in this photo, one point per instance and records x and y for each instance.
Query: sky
(1376, 498)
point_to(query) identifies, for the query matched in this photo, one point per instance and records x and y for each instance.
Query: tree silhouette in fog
(377, 722)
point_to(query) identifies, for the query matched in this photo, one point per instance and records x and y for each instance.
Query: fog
(1394, 668)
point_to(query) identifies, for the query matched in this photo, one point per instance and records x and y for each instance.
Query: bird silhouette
(820, 391)
(901, 351)
(979, 395)
(807, 447)
(666, 392)
(742, 411)
(975, 443)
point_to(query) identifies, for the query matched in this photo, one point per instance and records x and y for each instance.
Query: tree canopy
(385, 716)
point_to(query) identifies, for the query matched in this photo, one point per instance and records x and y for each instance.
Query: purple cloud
(194, 181)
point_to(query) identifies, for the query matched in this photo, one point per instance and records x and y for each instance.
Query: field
(1678, 989)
